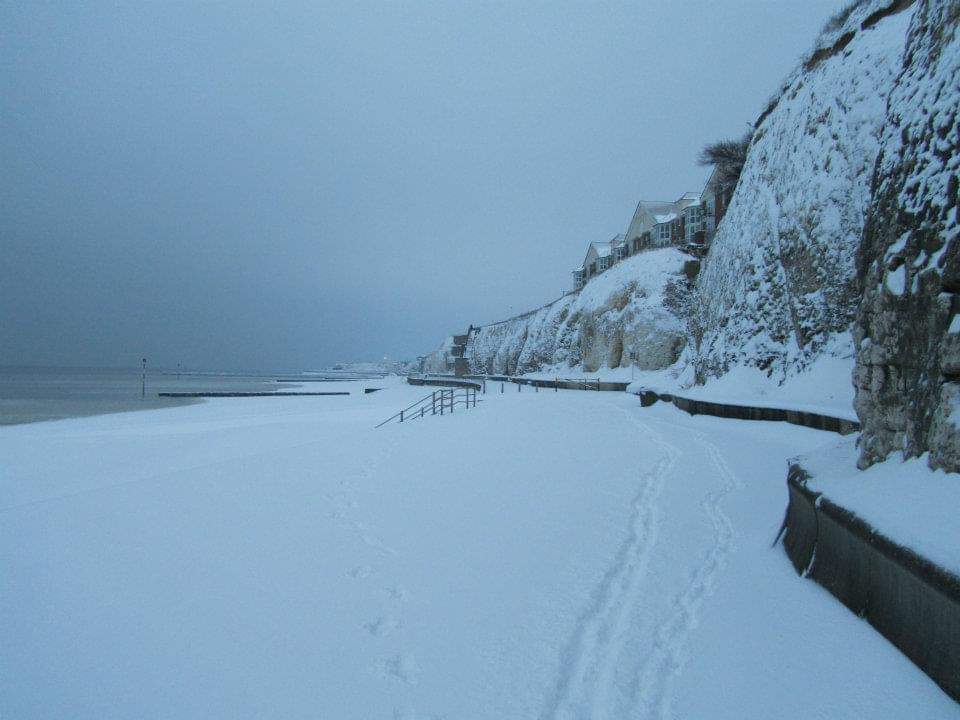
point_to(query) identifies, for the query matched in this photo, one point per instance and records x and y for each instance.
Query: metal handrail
(448, 400)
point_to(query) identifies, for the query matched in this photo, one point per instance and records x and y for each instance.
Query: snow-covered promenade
(545, 555)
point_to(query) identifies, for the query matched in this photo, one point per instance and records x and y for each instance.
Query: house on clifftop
(690, 222)
(600, 256)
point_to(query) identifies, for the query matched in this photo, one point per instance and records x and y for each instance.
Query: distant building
(714, 200)
(598, 258)
(690, 221)
(652, 225)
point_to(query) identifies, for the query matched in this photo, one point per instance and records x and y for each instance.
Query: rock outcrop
(628, 309)
(908, 341)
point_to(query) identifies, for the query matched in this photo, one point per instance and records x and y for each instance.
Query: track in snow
(665, 661)
(612, 668)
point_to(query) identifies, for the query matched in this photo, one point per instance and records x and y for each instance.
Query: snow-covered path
(547, 555)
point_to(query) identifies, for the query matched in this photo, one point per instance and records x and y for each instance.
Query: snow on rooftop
(602, 248)
(656, 206)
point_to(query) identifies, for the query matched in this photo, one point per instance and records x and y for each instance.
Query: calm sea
(31, 394)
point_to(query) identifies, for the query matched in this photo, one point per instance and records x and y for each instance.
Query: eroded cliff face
(779, 285)
(907, 372)
(629, 308)
(841, 241)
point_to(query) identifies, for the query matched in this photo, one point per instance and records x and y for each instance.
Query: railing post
(556, 388)
(401, 416)
(501, 387)
(519, 386)
(422, 408)
(433, 403)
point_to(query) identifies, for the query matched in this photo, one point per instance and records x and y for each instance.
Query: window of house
(664, 232)
(693, 223)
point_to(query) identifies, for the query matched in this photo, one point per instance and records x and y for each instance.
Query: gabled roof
(665, 218)
(603, 248)
(655, 207)
(711, 183)
(686, 200)
(645, 213)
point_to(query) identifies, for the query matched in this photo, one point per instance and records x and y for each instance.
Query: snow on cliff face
(439, 360)
(779, 283)
(626, 309)
(908, 356)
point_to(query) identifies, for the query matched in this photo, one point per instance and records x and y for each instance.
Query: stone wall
(907, 373)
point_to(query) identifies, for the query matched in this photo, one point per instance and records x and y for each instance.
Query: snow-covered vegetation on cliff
(780, 279)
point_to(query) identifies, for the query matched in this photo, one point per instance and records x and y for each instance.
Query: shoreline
(29, 411)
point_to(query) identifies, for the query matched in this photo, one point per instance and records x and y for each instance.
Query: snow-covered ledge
(760, 411)
(885, 543)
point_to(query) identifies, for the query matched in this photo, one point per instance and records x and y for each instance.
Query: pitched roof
(655, 207)
(602, 248)
(665, 218)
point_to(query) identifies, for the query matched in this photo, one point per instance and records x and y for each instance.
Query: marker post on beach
(143, 378)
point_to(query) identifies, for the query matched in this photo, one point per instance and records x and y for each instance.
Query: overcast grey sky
(250, 186)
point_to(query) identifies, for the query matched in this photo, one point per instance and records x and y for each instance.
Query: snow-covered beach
(553, 554)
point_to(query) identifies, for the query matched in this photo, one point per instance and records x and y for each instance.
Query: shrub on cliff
(729, 157)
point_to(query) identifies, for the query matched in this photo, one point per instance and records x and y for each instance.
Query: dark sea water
(32, 394)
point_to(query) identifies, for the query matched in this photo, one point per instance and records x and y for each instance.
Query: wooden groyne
(558, 383)
(217, 394)
(444, 381)
(595, 384)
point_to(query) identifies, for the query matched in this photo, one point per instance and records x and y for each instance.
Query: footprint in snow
(397, 593)
(402, 667)
(382, 626)
(361, 572)
(408, 714)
